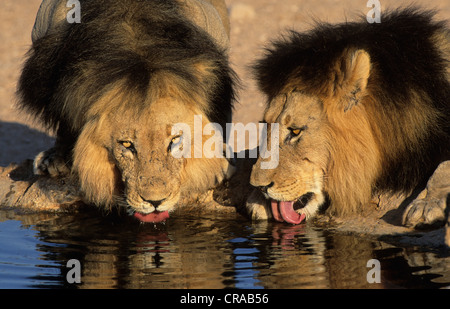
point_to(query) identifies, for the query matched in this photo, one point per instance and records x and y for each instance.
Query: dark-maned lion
(362, 109)
(114, 84)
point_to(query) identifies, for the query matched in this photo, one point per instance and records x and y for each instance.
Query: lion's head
(114, 86)
(124, 154)
(315, 143)
(302, 154)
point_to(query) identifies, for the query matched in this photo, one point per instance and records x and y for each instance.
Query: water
(205, 251)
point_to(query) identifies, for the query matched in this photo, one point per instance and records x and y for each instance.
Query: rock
(22, 190)
(447, 233)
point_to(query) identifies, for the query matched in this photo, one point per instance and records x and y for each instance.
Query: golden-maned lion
(115, 82)
(362, 109)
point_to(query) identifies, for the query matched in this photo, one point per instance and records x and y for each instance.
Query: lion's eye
(175, 144)
(176, 140)
(297, 131)
(128, 145)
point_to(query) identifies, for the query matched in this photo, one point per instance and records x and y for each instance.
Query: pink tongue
(155, 217)
(284, 211)
(275, 211)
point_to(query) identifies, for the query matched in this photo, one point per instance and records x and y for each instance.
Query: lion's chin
(155, 217)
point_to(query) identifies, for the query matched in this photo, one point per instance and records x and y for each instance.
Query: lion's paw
(257, 207)
(425, 212)
(430, 207)
(50, 163)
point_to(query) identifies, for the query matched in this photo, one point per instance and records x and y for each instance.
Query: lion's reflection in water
(210, 251)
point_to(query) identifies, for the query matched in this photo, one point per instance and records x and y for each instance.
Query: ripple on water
(202, 252)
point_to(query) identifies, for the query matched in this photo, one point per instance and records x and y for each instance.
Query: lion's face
(133, 157)
(295, 186)
(141, 149)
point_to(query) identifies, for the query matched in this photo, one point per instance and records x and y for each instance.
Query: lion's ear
(352, 74)
(97, 173)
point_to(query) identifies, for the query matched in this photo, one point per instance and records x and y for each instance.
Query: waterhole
(204, 251)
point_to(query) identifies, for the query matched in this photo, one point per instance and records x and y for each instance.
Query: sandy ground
(253, 24)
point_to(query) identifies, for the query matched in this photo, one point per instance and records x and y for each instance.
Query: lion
(362, 109)
(114, 85)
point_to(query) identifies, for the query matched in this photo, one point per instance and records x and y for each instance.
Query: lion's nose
(265, 188)
(155, 203)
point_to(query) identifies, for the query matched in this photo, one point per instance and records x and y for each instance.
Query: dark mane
(127, 41)
(311, 55)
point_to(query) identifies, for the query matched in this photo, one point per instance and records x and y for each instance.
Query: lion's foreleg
(57, 160)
